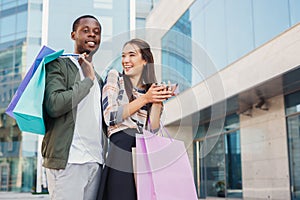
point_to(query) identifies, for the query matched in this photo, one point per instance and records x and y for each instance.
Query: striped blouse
(114, 97)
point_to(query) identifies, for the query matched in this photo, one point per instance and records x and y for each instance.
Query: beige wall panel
(264, 153)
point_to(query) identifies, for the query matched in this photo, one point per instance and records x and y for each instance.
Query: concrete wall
(265, 169)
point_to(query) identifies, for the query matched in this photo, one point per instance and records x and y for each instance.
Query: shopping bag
(133, 152)
(28, 111)
(142, 171)
(43, 52)
(163, 169)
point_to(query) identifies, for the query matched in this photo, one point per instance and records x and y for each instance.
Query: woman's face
(132, 61)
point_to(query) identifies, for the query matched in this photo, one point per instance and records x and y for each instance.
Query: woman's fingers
(158, 94)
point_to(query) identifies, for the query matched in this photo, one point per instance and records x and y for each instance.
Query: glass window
(269, 21)
(218, 167)
(21, 22)
(238, 17)
(8, 27)
(294, 9)
(140, 22)
(215, 32)
(104, 4)
(4, 177)
(107, 32)
(293, 124)
(233, 165)
(35, 24)
(176, 50)
(226, 30)
(6, 4)
(21, 2)
(200, 171)
(292, 105)
(215, 168)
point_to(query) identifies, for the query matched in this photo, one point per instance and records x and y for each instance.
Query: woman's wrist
(159, 104)
(144, 99)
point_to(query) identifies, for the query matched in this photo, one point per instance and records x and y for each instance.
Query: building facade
(20, 39)
(26, 25)
(237, 66)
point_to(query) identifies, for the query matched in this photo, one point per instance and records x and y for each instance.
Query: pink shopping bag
(163, 169)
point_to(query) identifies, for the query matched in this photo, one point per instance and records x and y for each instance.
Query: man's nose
(91, 33)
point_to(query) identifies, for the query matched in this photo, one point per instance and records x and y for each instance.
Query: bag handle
(161, 128)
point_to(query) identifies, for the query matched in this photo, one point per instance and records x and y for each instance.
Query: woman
(130, 100)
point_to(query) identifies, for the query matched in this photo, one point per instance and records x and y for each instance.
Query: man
(71, 147)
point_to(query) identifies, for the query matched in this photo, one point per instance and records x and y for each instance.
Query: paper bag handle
(162, 127)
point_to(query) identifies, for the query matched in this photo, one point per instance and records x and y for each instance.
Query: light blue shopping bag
(43, 52)
(29, 109)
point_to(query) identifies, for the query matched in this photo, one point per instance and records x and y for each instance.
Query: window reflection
(215, 169)
(176, 51)
(268, 20)
(233, 164)
(227, 30)
(218, 167)
(292, 103)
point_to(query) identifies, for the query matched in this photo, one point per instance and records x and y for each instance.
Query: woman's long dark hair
(148, 75)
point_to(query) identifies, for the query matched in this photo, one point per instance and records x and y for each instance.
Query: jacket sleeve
(111, 99)
(58, 98)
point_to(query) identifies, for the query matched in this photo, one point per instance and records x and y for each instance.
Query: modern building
(237, 64)
(26, 25)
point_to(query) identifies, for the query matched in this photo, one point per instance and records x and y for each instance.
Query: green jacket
(63, 92)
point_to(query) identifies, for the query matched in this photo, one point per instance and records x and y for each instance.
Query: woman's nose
(125, 59)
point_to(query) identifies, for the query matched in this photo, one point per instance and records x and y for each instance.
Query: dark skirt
(117, 180)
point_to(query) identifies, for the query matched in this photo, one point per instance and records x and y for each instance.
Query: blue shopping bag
(28, 111)
(43, 52)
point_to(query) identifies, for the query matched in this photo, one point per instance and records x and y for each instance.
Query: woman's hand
(157, 94)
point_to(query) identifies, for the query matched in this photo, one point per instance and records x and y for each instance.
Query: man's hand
(86, 66)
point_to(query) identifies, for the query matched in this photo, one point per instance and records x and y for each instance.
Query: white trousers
(75, 182)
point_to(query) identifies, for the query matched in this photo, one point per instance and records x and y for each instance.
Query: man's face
(87, 36)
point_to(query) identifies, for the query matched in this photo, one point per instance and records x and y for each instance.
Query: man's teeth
(91, 43)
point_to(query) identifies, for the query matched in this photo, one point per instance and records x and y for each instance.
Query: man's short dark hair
(76, 22)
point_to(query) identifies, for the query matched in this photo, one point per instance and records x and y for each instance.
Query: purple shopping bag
(43, 52)
(163, 169)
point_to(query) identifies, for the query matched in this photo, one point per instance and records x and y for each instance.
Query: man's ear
(73, 35)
